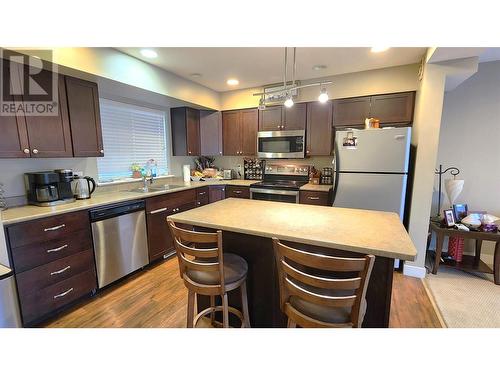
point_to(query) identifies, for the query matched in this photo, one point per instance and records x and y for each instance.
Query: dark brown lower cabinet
(216, 193)
(238, 192)
(317, 198)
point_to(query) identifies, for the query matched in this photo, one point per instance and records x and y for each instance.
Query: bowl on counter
(196, 178)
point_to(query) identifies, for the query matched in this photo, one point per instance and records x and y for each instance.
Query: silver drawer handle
(158, 211)
(313, 198)
(54, 228)
(63, 293)
(57, 249)
(202, 193)
(237, 191)
(60, 271)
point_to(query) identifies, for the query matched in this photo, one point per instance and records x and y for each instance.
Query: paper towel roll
(186, 172)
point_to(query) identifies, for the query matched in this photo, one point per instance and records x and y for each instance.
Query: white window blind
(131, 135)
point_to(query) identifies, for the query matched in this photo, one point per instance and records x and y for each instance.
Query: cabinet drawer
(202, 202)
(54, 272)
(43, 301)
(202, 193)
(30, 256)
(47, 229)
(318, 198)
(237, 192)
(170, 201)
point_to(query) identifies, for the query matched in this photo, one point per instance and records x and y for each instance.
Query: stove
(281, 183)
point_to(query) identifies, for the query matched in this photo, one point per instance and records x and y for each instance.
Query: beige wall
(379, 81)
(470, 136)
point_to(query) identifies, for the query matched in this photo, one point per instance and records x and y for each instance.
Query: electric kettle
(82, 187)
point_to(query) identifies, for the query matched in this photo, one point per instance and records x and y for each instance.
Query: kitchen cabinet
(294, 118)
(216, 193)
(319, 137)
(270, 118)
(394, 108)
(237, 192)
(160, 241)
(84, 117)
(185, 131)
(202, 196)
(210, 133)
(53, 262)
(239, 132)
(317, 198)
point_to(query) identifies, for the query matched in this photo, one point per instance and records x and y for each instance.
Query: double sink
(155, 189)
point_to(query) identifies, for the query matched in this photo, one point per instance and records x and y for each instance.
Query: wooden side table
(469, 262)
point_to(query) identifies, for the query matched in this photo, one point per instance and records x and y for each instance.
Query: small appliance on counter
(326, 176)
(48, 188)
(253, 169)
(227, 174)
(82, 187)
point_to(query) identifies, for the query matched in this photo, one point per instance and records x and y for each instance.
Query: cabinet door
(249, 127)
(294, 118)
(211, 133)
(160, 240)
(231, 136)
(352, 111)
(84, 117)
(270, 119)
(193, 131)
(50, 136)
(393, 108)
(14, 136)
(216, 193)
(238, 192)
(319, 129)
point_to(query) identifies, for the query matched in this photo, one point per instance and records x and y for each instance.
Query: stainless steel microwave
(285, 144)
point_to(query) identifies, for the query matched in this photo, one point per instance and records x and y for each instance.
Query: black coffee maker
(49, 188)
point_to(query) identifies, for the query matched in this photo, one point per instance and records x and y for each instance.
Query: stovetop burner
(279, 184)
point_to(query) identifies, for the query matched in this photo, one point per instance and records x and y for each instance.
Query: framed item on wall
(449, 218)
(460, 211)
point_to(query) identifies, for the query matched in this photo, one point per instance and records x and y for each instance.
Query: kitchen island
(249, 225)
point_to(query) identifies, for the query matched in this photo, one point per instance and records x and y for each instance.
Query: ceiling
(258, 66)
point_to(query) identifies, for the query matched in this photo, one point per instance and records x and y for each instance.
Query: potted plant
(136, 171)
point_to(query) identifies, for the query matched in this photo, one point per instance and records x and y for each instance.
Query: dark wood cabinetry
(185, 131)
(202, 196)
(237, 192)
(216, 193)
(319, 139)
(276, 118)
(270, 119)
(239, 132)
(389, 108)
(53, 263)
(317, 198)
(84, 117)
(211, 133)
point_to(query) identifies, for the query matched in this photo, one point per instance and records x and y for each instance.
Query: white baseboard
(414, 271)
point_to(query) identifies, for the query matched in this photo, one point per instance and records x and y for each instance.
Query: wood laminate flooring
(156, 297)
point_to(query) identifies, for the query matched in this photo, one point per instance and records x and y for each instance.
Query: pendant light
(323, 96)
(289, 101)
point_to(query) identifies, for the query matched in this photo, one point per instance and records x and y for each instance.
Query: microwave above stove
(287, 144)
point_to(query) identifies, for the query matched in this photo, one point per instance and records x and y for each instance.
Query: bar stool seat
(338, 315)
(235, 270)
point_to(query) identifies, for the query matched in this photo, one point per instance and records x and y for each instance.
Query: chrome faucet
(145, 180)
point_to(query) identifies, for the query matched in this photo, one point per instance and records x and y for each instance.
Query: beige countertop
(25, 213)
(369, 232)
(313, 187)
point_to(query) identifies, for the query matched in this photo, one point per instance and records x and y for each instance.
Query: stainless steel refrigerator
(371, 169)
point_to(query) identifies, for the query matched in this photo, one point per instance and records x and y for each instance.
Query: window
(131, 135)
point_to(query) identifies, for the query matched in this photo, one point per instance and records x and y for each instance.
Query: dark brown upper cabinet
(271, 118)
(393, 108)
(389, 108)
(239, 132)
(351, 112)
(211, 133)
(85, 117)
(294, 118)
(319, 139)
(185, 131)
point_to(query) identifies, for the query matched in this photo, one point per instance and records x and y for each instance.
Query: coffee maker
(49, 188)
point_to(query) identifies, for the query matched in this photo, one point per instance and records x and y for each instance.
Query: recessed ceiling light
(149, 53)
(232, 82)
(195, 75)
(319, 67)
(379, 49)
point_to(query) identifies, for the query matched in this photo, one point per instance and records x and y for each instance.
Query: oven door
(281, 144)
(288, 196)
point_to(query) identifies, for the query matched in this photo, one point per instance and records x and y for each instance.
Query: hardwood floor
(156, 297)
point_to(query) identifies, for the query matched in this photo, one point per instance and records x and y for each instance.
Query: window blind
(131, 135)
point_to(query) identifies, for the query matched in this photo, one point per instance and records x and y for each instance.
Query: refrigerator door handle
(336, 174)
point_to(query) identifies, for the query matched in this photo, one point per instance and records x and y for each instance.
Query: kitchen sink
(153, 189)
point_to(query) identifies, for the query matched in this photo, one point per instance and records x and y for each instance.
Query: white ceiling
(257, 66)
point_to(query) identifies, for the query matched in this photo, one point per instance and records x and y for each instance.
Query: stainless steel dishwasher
(120, 240)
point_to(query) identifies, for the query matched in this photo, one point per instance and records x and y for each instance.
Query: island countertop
(362, 231)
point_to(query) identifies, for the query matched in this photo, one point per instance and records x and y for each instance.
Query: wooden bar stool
(312, 300)
(207, 271)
